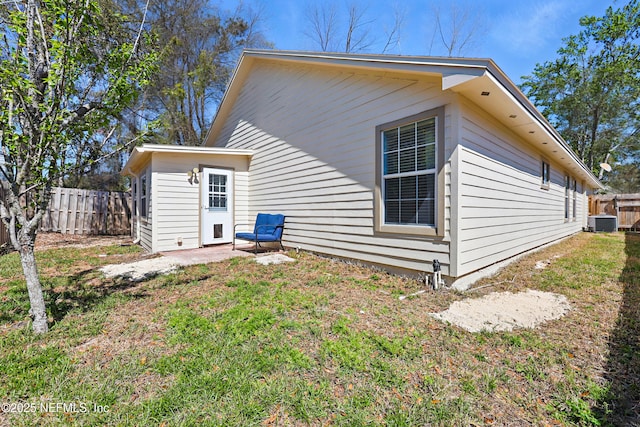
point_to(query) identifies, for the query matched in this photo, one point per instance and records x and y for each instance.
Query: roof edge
(140, 153)
(496, 73)
(164, 148)
(298, 55)
(447, 67)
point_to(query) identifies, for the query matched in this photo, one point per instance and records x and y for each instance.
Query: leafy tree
(591, 92)
(199, 49)
(625, 178)
(102, 176)
(68, 69)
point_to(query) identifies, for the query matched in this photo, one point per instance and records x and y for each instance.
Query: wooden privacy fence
(74, 211)
(625, 206)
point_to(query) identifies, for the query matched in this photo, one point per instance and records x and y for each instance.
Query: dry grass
(321, 342)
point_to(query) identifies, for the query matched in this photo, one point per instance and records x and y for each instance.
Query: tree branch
(80, 113)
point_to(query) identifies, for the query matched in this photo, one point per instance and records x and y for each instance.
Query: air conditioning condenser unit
(605, 223)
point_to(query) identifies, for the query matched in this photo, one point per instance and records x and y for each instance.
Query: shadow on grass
(623, 367)
(79, 292)
(84, 290)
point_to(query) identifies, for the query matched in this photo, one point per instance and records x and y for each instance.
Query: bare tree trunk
(22, 233)
(38, 311)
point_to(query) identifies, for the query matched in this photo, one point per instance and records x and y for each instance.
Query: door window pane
(217, 192)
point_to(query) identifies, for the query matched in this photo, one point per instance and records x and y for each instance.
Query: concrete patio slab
(170, 261)
(207, 254)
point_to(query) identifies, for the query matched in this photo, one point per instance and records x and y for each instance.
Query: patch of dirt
(504, 311)
(57, 240)
(129, 328)
(140, 270)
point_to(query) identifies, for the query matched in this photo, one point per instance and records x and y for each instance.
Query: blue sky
(517, 33)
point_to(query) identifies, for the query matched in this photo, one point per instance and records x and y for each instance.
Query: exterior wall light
(193, 175)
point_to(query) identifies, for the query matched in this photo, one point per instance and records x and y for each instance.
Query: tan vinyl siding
(503, 209)
(177, 211)
(177, 200)
(313, 134)
(241, 200)
(312, 121)
(145, 235)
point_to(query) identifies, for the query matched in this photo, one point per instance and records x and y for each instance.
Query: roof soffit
(517, 113)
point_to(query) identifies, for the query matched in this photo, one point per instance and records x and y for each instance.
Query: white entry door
(217, 206)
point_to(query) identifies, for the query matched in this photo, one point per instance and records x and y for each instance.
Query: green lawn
(318, 342)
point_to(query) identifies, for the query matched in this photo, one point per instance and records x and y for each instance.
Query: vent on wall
(605, 223)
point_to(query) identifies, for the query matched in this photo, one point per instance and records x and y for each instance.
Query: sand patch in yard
(141, 270)
(505, 311)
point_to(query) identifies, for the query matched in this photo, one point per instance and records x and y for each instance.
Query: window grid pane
(546, 172)
(390, 140)
(408, 160)
(409, 163)
(217, 192)
(567, 190)
(391, 163)
(407, 136)
(575, 199)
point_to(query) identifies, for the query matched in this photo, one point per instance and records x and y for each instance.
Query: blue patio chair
(267, 229)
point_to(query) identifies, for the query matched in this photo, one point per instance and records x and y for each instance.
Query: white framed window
(144, 190)
(409, 158)
(546, 175)
(575, 200)
(409, 170)
(567, 197)
(134, 195)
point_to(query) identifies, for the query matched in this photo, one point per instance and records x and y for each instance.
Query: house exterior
(171, 187)
(390, 160)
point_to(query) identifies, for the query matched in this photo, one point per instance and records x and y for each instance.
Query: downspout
(136, 224)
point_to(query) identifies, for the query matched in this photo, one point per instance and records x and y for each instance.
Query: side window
(575, 200)
(408, 182)
(546, 175)
(134, 195)
(567, 197)
(409, 161)
(143, 194)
